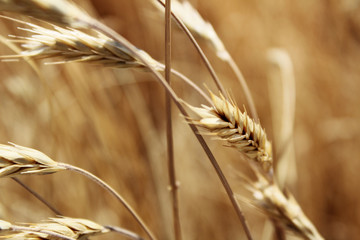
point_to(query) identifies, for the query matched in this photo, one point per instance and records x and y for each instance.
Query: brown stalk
(200, 51)
(111, 33)
(36, 195)
(169, 130)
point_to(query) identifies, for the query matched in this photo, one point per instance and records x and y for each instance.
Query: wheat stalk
(190, 20)
(18, 160)
(196, 24)
(225, 120)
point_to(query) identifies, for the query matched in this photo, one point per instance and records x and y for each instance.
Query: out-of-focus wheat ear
(280, 207)
(225, 120)
(17, 160)
(282, 91)
(56, 11)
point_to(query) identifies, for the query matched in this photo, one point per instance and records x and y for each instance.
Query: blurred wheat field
(112, 122)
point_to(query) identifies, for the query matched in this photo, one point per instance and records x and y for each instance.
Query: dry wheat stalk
(56, 11)
(71, 228)
(18, 160)
(197, 25)
(283, 208)
(225, 120)
(70, 45)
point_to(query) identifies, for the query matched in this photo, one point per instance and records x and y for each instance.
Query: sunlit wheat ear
(197, 25)
(56, 11)
(225, 120)
(70, 45)
(72, 228)
(18, 160)
(283, 208)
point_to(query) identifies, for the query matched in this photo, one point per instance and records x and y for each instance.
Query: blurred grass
(111, 122)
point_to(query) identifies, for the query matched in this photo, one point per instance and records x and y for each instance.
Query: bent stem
(124, 232)
(191, 84)
(113, 192)
(111, 33)
(200, 51)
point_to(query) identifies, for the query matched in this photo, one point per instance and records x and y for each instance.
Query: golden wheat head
(18, 160)
(70, 45)
(225, 120)
(71, 228)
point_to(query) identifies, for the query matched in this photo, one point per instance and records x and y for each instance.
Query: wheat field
(110, 121)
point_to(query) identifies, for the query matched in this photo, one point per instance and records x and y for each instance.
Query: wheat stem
(108, 31)
(36, 195)
(191, 84)
(113, 192)
(124, 232)
(169, 130)
(206, 61)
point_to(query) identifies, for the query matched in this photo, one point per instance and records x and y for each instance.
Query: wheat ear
(64, 227)
(17, 160)
(280, 207)
(71, 45)
(225, 120)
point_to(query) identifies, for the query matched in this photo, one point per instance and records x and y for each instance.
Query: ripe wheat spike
(225, 120)
(17, 160)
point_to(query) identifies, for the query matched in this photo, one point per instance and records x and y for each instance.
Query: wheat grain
(225, 120)
(18, 160)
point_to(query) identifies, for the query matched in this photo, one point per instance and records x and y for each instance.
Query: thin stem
(279, 231)
(29, 229)
(169, 130)
(200, 51)
(111, 33)
(229, 60)
(241, 79)
(192, 84)
(113, 192)
(124, 232)
(36, 195)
